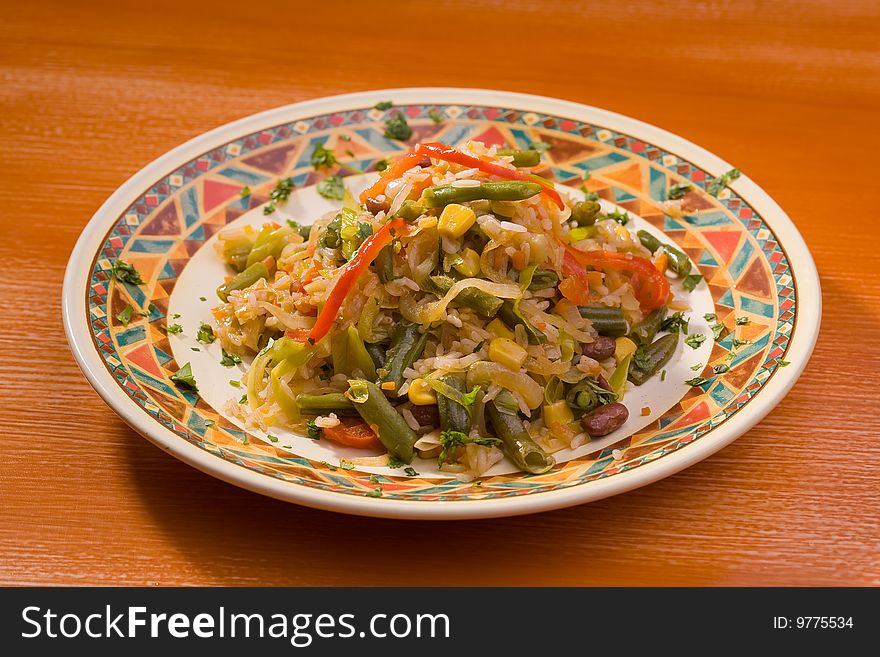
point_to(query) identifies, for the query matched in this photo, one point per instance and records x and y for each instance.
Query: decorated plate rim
(82, 345)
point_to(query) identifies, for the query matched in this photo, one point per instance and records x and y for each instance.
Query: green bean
(304, 231)
(393, 431)
(483, 303)
(332, 402)
(518, 444)
(245, 279)
(511, 316)
(648, 360)
(678, 261)
(409, 211)
(543, 278)
(453, 416)
(407, 344)
(607, 321)
(384, 264)
(587, 395)
(643, 332)
(527, 157)
(649, 241)
(508, 190)
(269, 243)
(377, 353)
(236, 254)
(585, 213)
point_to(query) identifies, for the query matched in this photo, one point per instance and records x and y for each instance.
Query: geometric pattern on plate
(746, 269)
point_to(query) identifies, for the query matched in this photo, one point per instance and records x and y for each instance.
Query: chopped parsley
(151, 307)
(695, 340)
(245, 191)
(690, 281)
(345, 137)
(642, 359)
(435, 115)
(279, 194)
(183, 378)
(205, 334)
(175, 316)
(332, 468)
(228, 359)
(244, 399)
(272, 439)
(124, 315)
(540, 146)
(195, 349)
(410, 472)
(345, 464)
(717, 184)
(332, 188)
(742, 321)
(383, 105)
(678, 190)
(376, 492)
(730, 356)
(620, 217)
(172, 329)
(234, 383)
(675, 324)
(697, 381)
(322, 157)
(784, 363)
(122, 271)
(663, 375)
(313, 431)
(451, 440)
(697, 367)
(468, 398)
(203, 298)
(710, 317)
(721, 369)
(374, 479)
(394, 462)
(349, 152)
(245, 441)
(588, 195)
(397, 128)
(739, 343)
(717, 330)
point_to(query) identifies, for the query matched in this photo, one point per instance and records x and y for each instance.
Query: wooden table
(93, 91)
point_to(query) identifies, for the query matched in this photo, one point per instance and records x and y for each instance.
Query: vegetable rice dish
(460, 309)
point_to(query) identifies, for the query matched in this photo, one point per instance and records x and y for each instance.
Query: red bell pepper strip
(443, 152)
(365, 255)
(650, 286)
(576, 285)
(396, 170)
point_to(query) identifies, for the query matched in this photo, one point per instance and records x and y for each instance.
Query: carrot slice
(352, 432)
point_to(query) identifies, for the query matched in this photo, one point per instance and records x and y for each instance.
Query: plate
(164, 219)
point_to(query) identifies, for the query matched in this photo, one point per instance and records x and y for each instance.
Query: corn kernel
(507, 352)
(420, 393)
(470, 263)
(455, 220)
(558, 413)
(623, 347)
(499, 329)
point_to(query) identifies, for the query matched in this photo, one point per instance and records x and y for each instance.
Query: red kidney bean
(600, 348)
(605, 419)
(426, 416)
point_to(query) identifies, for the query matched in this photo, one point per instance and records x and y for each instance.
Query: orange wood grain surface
(92, 91)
